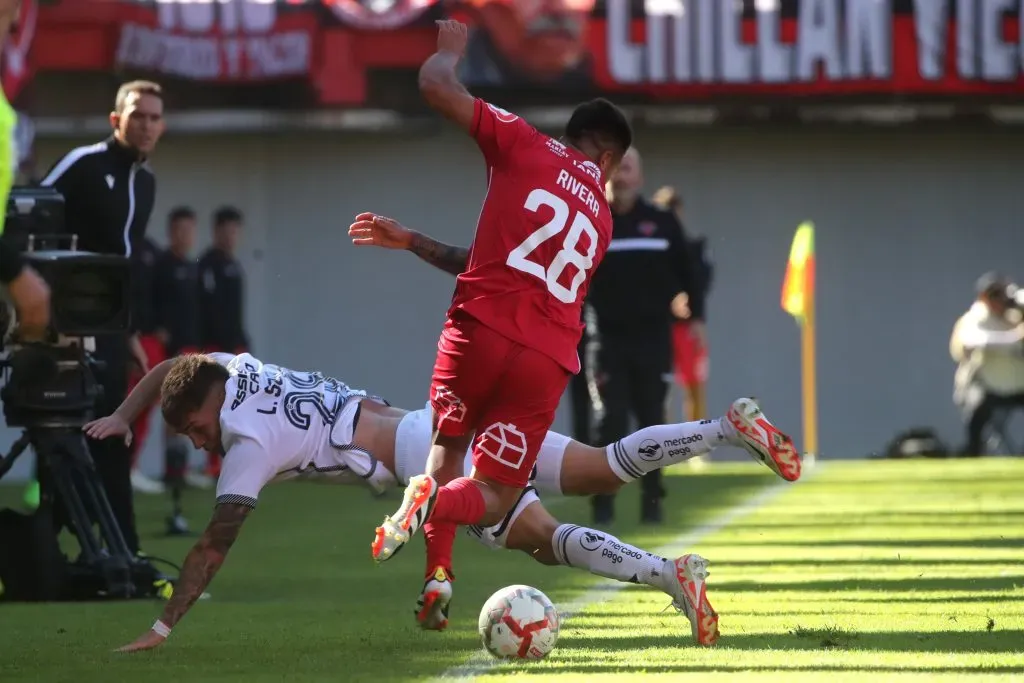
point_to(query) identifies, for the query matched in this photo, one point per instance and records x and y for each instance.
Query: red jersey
(543, 229)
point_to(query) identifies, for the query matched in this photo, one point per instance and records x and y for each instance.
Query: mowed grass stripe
(851, 599)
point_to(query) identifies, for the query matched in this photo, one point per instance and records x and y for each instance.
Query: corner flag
(798, 287)
(798, 301)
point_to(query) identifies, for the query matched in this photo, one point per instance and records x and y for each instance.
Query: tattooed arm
(443, 256)
(201, 565)
(370, 229)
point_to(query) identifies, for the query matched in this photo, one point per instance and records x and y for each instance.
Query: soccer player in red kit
(508, 347)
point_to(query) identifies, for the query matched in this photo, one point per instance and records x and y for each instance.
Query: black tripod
(69, 480)
(51, 392)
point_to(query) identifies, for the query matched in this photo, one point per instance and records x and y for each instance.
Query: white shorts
(412, 448)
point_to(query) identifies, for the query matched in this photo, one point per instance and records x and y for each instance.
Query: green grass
(882, 570)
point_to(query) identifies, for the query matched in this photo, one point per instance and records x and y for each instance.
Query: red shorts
(689, 357)
(504, 392)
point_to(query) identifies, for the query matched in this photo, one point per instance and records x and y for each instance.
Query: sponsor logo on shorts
(504, 443)
(685, 450)
(649, 450)
(591, 541)
(450, 407)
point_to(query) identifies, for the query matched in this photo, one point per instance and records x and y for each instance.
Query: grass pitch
(866, 571)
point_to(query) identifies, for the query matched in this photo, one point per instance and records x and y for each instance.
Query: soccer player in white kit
(275, 424)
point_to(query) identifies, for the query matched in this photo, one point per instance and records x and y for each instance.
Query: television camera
(50, 390)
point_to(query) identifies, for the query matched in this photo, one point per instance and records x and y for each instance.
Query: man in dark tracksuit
(644, 274)
(144, 320)
(176, 290)
(109, 191)
(222, 296)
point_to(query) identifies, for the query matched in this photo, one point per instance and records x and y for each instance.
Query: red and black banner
(366, 52)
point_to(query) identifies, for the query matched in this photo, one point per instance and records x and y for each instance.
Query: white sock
(601, 553)
(653, 448)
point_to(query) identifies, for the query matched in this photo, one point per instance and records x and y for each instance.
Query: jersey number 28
(568, 255)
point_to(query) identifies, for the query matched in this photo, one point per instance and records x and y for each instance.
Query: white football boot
(396, 530)
(685, 581)
(435, 598)
(762, 439)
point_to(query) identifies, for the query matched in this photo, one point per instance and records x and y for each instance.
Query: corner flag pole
(798, 299)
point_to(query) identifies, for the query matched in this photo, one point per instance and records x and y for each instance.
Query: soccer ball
(518, 622)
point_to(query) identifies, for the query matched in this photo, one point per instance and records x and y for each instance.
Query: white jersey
(278, 424)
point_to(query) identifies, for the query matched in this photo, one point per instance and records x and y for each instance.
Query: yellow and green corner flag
(798, 301)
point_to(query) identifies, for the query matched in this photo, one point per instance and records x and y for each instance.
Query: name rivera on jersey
(579, 189)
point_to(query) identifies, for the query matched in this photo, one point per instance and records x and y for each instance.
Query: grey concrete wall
(906, 221)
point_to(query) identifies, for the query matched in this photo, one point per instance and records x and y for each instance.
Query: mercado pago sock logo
(233, 40)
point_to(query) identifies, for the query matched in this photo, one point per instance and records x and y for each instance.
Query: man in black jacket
(646, 275)
(109, 191)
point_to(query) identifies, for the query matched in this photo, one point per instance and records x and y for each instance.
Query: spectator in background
(988, 345)
(178, 327)
(689, 337)
(222, 298)
(646, 274)
(144, 319)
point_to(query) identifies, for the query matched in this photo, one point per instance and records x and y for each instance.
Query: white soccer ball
(518, 622)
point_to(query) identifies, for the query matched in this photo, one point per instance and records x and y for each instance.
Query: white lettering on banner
(244, 45)
(700, 41)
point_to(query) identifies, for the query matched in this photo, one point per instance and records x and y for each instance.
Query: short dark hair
(603, 123)
(187, 384)
(138, 88)
(225, 215)
(179, 213)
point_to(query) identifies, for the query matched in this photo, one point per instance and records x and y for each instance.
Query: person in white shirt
(273, 424)
(988, 346)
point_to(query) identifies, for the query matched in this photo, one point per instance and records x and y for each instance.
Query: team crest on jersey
(590, 168)
(647, 228)
(503, 116)
(558, 148)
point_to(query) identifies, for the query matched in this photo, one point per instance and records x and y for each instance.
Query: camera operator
(109, 192)
(988, 345)
(28, 292)
(644, 279)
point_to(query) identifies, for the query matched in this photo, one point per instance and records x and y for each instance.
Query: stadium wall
(907, 220)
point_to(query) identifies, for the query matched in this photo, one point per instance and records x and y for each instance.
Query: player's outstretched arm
(439, 84)
(145, 393)
(369, 229)
(201, 565)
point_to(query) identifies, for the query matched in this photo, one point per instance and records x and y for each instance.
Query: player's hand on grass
(380, 231)
(451, 36)
(147, 641)
(106, 427)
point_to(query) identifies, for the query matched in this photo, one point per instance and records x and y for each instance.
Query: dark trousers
(627, 376)
(980, 408)
(113, 459)
(579, 399)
